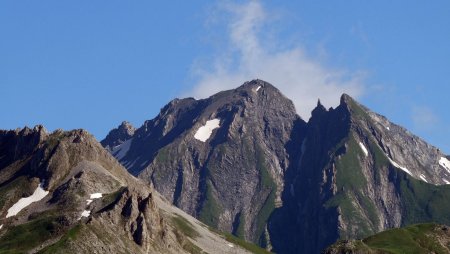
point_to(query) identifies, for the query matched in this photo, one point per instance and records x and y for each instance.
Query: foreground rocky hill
(244, 162)
(62, 192)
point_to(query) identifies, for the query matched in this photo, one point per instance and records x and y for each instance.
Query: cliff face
(242, 161)
(62, 192)
(357, 175)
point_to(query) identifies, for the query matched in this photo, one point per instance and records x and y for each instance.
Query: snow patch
(204, 132)
(121, 150)
(257, 89)
(230, 245)
(1, 226)
(92, 197)
(96, 195)
(400, 167)
(387, 128)
(445, 163)
(446, 181)
(85, 213)
(423, 178)
(364, 149)
(37, 195)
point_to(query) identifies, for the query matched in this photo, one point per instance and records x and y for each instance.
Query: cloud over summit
(251, 52)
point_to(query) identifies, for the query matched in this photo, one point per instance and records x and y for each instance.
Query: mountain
(62, 192)
(243, 162)
(230, 177)
(358, 175)
(421, 239)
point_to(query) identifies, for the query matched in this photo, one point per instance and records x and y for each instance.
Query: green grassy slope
(415, 239)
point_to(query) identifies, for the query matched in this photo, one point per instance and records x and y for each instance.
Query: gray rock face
(265, 175)
(347, 185)
(234, 179)
(408, 150)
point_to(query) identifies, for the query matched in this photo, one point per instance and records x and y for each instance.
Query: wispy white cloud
(253, 53)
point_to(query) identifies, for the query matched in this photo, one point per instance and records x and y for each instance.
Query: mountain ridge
(262, 147)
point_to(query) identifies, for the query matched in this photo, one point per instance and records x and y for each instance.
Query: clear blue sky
(92, 64)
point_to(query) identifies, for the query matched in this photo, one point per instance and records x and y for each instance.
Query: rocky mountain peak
(261, 90)
(251, 92)
(127, 128)
(38, 132)
(345, 98)
(318, 110)
(258, 84)
(119, 135)
(23, 140)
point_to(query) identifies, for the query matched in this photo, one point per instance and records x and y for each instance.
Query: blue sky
(92, 64)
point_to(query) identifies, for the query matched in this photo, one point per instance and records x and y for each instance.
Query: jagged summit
(257, 84)
(119, 135)
(345, 98)
(318, 110)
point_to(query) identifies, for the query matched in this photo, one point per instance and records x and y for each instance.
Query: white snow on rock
(257, 89)
(96, 195)
(445, 163)
(38, 194)
(230, 245)
(121, 150)
(85, 213)
(387, 128)
(423, 178)
(400, 167)
(446, 181)
(92, 197)
(204, 132)
(1, 226)
(364, 149)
